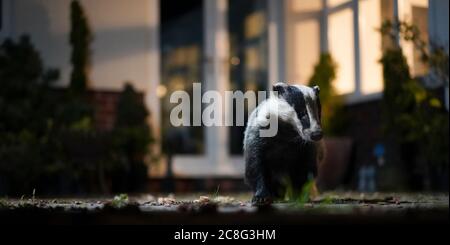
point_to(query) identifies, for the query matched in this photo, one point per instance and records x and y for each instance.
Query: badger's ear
(316, 90)
(279, 87)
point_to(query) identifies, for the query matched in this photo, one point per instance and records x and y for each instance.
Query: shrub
(80, 38)
(333, 115)
(132, 138)
(27, 146)
(412, 114)
(47, 137)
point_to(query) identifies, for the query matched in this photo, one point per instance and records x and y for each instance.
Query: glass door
(181, 66)
(247, 26)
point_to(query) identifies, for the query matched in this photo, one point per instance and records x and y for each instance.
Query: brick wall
(105, 103)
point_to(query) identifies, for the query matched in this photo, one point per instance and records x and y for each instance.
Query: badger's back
(283, 154)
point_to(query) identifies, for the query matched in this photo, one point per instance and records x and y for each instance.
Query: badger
(292, 153)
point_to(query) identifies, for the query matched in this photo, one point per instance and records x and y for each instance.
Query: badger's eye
(304, 119)
(304, 116)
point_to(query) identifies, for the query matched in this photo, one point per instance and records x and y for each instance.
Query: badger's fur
(291, 154)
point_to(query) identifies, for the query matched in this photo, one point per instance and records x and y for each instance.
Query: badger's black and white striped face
(306, 103)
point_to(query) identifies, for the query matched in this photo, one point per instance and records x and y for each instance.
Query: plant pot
(335, 162)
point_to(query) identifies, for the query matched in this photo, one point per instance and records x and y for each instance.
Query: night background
(85, 103)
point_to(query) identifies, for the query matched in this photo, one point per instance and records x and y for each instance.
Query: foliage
(396, 78)
(333, 116)
(307, 192)
(120, 201)
(131, 124)
(132, 136)
(47, 137)
(25, 85)
(412, 112)
(80, 39)
(26, 121)
(76, 112)
(432, 54)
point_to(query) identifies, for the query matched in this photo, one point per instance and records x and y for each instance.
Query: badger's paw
(262, 200)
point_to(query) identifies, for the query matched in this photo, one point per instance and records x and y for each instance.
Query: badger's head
(305, 101)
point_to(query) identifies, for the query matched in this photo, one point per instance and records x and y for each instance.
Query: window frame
(357, 96)
(398, 12)
(323, 16)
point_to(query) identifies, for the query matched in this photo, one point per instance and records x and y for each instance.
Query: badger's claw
(261, 201)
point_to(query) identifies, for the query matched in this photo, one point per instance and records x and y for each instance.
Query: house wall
(125, 45)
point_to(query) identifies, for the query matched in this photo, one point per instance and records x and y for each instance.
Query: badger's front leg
(257, 177)
(263, 196)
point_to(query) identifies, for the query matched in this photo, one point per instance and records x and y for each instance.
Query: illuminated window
(303, 6)
(303, 39)
(342, 48)
(336, 3)
(370, 18)
(307, 49)
(420, 19)
(416, 13)
(313, 28)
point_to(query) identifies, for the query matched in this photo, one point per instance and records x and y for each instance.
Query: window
(247, 24)
(313, 28)
(414, 12)
(420, 19)
(370, 41)
(342, 49)
(341, 38)
(303, 39)
(337, 3)
(181, 66)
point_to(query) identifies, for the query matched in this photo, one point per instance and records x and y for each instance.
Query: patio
(327, 208)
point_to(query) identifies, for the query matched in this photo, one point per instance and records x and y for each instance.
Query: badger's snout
(316, 135)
